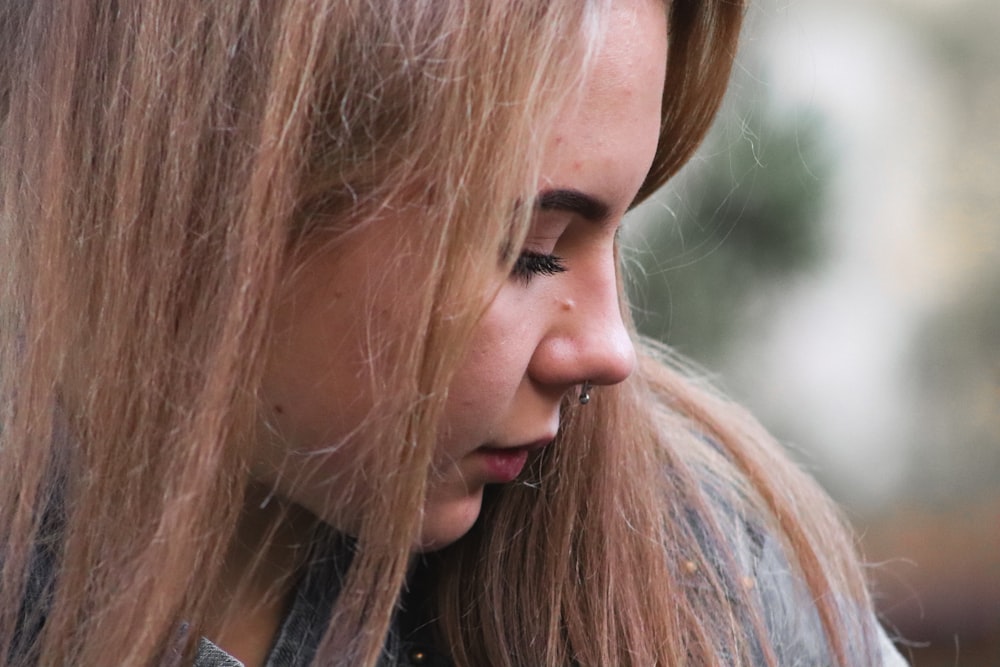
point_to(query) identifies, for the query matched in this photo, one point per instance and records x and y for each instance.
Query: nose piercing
(585, 392)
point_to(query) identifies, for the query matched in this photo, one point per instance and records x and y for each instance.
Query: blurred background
(832, 259)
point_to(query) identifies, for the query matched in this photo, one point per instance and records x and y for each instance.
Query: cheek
(495, 367)
(311, 383)
(336, 340)
(318, 407)
(304, 442)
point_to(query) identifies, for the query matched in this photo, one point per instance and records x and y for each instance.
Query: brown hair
(165, 167)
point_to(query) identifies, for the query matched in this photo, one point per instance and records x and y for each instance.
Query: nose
(588, 339)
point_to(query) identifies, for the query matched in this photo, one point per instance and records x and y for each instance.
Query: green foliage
(745, 216)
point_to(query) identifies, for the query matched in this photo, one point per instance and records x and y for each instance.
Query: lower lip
(504, 465)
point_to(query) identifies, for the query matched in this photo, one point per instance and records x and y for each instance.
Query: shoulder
(791, 617)
(782, 601)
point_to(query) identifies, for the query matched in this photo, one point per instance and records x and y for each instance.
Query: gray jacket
(791, 619)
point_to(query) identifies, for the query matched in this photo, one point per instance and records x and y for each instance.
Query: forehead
(605, 138)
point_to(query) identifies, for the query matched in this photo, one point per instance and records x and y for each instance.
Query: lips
(504, 464)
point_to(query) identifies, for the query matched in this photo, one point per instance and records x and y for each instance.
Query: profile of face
(553, 325)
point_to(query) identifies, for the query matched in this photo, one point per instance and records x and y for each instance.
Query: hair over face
(166, 166)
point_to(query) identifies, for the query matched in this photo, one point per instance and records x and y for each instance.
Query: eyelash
(530, 264)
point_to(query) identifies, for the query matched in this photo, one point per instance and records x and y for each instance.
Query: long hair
(165, 168)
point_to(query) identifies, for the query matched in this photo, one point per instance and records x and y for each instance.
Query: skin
(539, 340)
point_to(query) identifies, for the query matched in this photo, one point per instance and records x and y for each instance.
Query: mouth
(505, 464)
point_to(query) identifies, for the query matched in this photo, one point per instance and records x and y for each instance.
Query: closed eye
(530, 264)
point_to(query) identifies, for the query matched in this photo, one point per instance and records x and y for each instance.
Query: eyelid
(531, 263)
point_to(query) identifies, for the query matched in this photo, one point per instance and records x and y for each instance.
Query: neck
(258, 577)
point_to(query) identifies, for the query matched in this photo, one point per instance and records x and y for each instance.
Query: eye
(530, 264)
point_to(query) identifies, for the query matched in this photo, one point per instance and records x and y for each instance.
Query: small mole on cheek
(278, 409)
(566, 305)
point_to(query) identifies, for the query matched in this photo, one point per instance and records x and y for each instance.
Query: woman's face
(553, 325)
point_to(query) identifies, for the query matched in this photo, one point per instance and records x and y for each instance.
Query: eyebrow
(573, 201)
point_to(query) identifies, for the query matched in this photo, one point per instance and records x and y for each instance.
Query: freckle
(279, 410)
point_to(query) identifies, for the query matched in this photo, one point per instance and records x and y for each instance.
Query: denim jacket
(411, 641)
(791, 619)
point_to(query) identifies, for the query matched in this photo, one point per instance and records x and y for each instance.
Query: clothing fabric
(411, 642)
(791, 619)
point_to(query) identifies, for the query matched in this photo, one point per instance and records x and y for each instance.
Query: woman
(314, 351)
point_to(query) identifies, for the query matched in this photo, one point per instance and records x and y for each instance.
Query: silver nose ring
(585, 392)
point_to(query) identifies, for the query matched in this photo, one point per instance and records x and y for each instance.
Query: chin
(447, 521)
